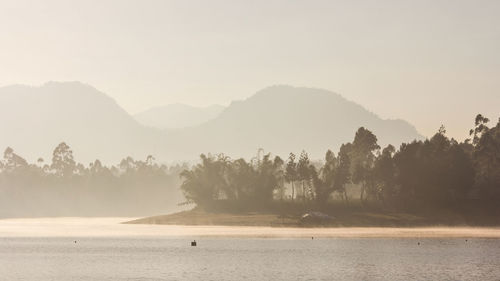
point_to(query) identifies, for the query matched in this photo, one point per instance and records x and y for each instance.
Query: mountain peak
(280, 119)
(37, 118)
(292, 91)
(66, 84)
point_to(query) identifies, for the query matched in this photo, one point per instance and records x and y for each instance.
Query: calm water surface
(119, 258)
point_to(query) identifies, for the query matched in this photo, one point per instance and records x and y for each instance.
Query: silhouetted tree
(486, 156)
(291, 174)
(304, 175)
(362, 160)
(63, 163)
(324, 183)
(13, 162)
(343, 171)
(384, 172)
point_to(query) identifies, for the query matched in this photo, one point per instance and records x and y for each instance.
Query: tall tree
(343, 171)
(12, 161)
(304, 174)
(291, 173)
(385, 172)
(363, 156)
(324, 183)
(63, 163)
(486, 156)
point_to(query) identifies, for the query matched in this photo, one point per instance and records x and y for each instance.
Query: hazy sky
(429, 62)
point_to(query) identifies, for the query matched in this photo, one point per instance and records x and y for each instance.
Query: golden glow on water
(107, 227)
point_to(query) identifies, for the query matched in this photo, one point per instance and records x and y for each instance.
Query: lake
(117, 253)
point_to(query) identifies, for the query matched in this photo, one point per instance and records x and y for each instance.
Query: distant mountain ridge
(279, 119)
(36, 119)
(284, 119)
(177, 115)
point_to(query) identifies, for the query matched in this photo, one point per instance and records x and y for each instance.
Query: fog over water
(113, 227)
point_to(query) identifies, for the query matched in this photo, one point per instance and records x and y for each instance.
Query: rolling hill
(279, 119)
(36, 119)
(284, 119)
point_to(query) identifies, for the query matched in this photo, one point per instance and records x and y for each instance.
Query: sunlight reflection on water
(45, 249)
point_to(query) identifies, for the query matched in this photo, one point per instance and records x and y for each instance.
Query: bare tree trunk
(293, 191)
(362, 192)
(303, 191)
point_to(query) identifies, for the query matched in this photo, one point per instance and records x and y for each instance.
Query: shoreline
(353, 219)
(114, 228)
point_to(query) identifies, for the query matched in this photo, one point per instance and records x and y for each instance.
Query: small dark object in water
(465, 240)
(193, 244)
(75, 241)
(312, 238)
(418, 243)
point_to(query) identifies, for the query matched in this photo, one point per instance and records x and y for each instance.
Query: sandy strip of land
(112, 227)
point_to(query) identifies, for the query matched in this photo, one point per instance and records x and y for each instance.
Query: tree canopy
(435, 173)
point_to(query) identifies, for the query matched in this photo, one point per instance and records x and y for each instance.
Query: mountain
(174, 116)
(36, 119)
(284, 119)
(279, 119)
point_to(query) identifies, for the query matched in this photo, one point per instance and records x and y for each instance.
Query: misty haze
(229, 140)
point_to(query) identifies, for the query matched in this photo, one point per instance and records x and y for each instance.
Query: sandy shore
(112, 227)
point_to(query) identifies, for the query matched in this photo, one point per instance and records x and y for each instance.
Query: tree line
(64, 169)
(434, 173)
(65, 187)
